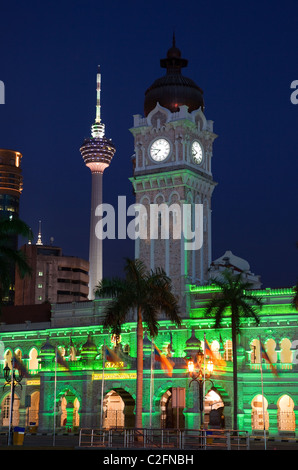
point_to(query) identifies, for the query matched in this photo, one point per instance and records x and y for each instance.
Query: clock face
(197, 152)
(160, 150)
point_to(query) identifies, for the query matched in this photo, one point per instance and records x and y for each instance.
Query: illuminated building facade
(86, 390)
(76, 329)
(97, 152)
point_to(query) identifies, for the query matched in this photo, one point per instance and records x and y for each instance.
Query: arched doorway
(33, 410)
(214, 406)
(5, 410)
(68, 406)
(118, 409)
(286, 414)
(169, 417)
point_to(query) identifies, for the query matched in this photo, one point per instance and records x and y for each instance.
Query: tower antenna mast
(98, 82)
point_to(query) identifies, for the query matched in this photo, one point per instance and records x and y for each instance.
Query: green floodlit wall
(278, 321)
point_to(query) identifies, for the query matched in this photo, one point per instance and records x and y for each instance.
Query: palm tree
(235, 299)
(146, 293)
(10, 257)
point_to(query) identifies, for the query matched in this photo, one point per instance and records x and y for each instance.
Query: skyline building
(97, 152)
(11, 182)
(55, 277)
(11, 186)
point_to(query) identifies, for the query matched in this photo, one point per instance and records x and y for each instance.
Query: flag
(208, 351)
(111, 356)
(164, 361)
(20, 366)
(265, 356)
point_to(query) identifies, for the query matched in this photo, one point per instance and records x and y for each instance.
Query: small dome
(47, 347)
(193, 342)
(89, 346)
(229, 259)
(173, 90)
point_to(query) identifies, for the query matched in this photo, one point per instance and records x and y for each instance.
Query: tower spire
(97, 152)
(39, 241)
(98, 82)
(98, 128)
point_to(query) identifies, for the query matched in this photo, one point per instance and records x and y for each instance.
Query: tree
(10, 257)
(236, 300)
(148, 294)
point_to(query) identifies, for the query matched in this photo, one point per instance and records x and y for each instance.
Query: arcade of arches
(118, 411)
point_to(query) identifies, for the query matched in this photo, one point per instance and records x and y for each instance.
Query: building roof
(15, 314)
(173, 90)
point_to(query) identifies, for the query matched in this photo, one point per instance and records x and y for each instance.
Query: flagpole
(102, 382)
(263, 400)
(55, 396)
(151, 386)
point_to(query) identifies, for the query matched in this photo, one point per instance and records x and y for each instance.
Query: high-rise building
(97, 152)
(11, 185)
(55, 277)
(11, 182)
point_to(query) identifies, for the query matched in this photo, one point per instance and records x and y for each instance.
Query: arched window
(286, 353)
(257, 418)
(8, 358)
(18, 354)
(215, 348)
(255, 352)
(5, 411)
(33, 409)
(228, 354)
(285, 414)
(33, 359)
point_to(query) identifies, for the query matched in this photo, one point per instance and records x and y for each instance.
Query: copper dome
(173, 90)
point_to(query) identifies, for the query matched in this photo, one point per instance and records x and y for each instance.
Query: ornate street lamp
(200, 372)
(11, 379)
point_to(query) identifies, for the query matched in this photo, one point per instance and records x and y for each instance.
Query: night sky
(244, 55)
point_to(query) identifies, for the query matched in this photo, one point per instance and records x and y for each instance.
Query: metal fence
(164, 439)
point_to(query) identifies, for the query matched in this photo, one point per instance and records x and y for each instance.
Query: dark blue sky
(242, 54)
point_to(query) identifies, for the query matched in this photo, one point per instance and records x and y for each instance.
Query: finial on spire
(39, 242)
(174, 39)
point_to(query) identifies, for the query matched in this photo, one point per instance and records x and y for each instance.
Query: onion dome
(47, 353)
(47, 348)
(89, 346)
(193, 343)
(174, 89)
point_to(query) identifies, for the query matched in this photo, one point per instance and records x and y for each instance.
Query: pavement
(71, 442)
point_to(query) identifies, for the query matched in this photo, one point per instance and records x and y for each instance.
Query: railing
(164, 438)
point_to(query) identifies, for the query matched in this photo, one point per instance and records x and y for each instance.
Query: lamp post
(200, 373)
(12, 379)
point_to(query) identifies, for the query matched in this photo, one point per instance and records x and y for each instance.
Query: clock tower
(172, 169)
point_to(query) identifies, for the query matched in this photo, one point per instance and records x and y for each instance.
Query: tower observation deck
(97, 152)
